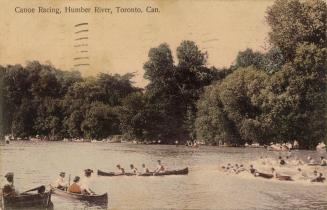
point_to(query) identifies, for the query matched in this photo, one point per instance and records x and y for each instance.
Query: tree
(138, 118)
(164, 93)
(271, 61)
(248, 58)
(100, 121)
(231, 111)
(174, 89)
(212, 124)
(293, 22)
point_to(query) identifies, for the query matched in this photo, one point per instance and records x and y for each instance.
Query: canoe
(172, 172)
(92, 199)
(313, 164)
(102, 173)
(284, 178)
(264, 175)
(318, 179)
(27, 200)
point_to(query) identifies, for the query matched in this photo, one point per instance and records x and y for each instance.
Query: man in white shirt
(86, 182)
(160, 168)
(9, 189)
(60, 182)
(145, 169)
(323, 161)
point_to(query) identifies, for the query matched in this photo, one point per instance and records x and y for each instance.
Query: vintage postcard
(163, 104)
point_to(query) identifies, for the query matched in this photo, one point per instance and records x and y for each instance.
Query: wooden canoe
(313, 164)
(92, 199)
(102, 173)
(172, 172)
(27, 200)
(264, 175)
(284, 178)
(318, 179)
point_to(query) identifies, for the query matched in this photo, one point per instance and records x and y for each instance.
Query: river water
(205, 187)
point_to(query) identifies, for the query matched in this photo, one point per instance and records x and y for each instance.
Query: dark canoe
(92, 199)
(27, 200)
(172, 172)
(318, 179)
(264, 175)
(102, 173)
(284, 178)
(313, 164)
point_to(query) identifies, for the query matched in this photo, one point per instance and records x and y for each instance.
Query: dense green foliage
(41, 100)
(174, 89)
(273, 96)
(281, 96)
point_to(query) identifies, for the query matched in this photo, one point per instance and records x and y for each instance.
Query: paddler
(160, 167)
(317, 177)
(301, 174)
(9, 189)
(274, 172)
(311, 161)
(323, 161)
(252, 170)
(75, 187)
(86, 182)
(133, 169)
(60, 182)
(121, 170)
(281, 161)
(240, 169)
(145, 169)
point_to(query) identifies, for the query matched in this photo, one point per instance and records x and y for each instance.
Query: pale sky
(119, 43)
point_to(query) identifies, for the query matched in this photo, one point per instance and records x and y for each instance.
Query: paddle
(40, 188)
(69, 180)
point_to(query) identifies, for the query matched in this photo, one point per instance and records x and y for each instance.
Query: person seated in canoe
(323, 161)
(9, 189)
(311, 161)
(280, 177)
(145, 170)
(263, 161)
(240, 169)
(60, 182)
(133, 169)
(86, 182)
(75, 187)
(281, 161)
(317, 177)
(301, 174)
(121, 170)
(160, 168)
(296, 162)
(235, 168)
(274, 172)
(252, 170)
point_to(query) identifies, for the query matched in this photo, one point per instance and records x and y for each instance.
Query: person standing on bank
(9, 189)
(86, 182)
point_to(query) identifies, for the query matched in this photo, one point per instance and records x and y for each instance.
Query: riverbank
(192, 144)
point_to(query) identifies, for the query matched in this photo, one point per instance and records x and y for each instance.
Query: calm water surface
(205, 187)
